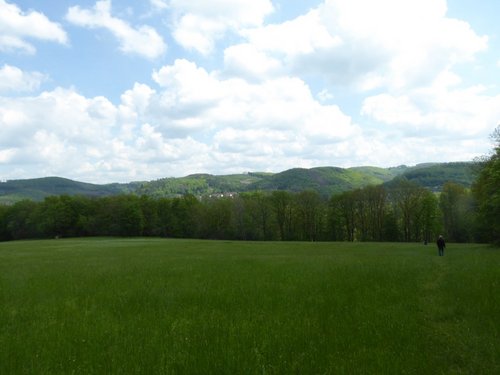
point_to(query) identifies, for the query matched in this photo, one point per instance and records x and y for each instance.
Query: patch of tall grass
(152, 306)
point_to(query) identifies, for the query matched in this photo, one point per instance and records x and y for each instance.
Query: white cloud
(392, 44)
(199, 24)
(195, 121)
(414, 40)
(13, 79)
(6, 155)
(244, 60)
(304, 35)
(236, 12)
(13, 123)
(442, 109)
(65, 112)
(9, 43)
(193, 99)
(269, 126)
(392, 110)
(63, 133)
(143, 40)
(159, 4)
(188, 92)
(258, 125)
(198, 33)
(325, 96)
(16, 26)
(136, 101)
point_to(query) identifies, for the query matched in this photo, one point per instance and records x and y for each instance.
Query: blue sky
(117, 91)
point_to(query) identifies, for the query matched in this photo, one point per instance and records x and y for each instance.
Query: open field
(154, 306)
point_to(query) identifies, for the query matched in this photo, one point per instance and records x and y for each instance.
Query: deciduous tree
(487, 193)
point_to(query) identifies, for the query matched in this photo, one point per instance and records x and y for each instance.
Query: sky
(119, 91)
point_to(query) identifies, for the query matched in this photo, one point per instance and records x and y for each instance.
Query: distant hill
(198, 184)
(39, 188)
(434, 176)
(381, 174)
(325, 180)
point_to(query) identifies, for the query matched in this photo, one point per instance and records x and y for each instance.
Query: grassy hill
(325, 180)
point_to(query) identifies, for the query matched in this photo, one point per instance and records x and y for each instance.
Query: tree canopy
(487, 194)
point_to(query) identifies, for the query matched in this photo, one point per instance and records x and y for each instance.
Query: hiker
(441, 245)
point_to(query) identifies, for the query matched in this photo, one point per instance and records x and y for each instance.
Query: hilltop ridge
(325, 180)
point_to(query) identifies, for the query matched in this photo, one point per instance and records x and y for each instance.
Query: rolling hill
(39, 188)
(434, 176)
(325, 180)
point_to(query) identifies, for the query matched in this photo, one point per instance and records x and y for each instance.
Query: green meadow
(159, 306)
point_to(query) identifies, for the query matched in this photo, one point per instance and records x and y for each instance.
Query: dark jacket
(440, 243)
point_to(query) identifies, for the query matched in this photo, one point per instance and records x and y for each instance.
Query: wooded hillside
(324, 180)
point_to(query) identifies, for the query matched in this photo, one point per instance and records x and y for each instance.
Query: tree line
(398, 211)
(402, 211)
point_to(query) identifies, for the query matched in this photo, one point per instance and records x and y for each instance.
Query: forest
(401, 210)
(404, 211)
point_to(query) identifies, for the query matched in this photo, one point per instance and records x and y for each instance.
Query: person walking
(441, 245)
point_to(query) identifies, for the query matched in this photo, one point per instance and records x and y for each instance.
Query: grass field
(153, 306)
